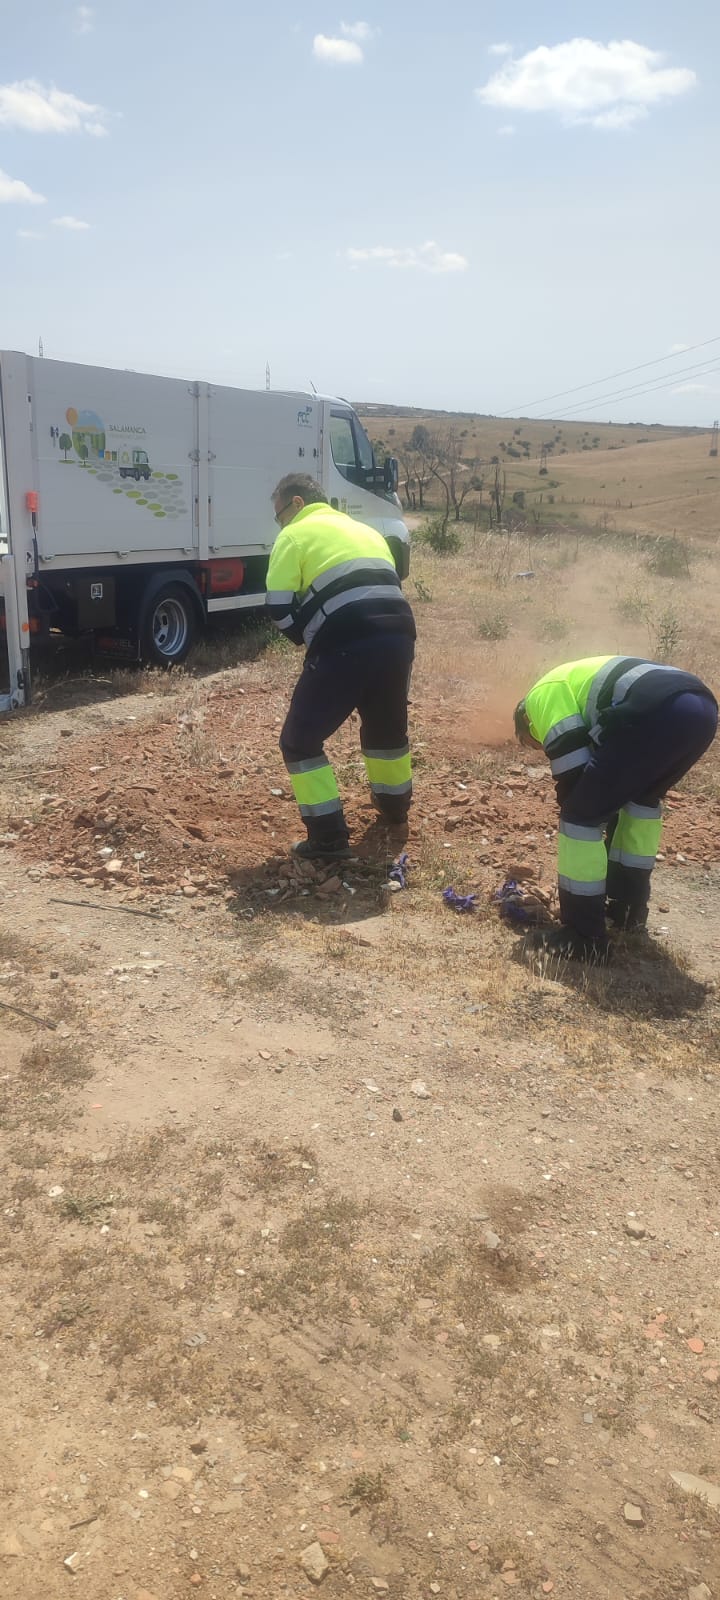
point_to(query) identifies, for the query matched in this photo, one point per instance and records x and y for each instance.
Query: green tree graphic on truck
(137, 467)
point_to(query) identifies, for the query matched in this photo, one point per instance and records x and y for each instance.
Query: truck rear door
(255, 438)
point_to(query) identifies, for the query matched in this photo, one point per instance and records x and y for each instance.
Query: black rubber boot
(572, 946)
(627, 918)
(322, 850)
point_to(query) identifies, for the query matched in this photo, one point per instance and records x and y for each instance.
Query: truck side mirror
(392, 474)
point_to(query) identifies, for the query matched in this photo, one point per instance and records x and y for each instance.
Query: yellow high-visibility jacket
(332, 579)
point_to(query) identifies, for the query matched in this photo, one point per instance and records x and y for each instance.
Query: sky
(462, 207)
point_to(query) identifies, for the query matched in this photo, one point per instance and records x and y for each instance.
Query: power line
(518, 411)
(636, 393)
(697, 369)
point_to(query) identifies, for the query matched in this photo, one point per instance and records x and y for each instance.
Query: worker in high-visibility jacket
(619, 732)
(332, 585)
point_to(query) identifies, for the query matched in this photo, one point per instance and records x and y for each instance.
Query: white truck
(132, 507)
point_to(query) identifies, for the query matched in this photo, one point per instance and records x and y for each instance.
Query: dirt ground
(330, 1217)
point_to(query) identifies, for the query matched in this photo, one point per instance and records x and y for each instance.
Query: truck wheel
(169, 626)
(136, 475)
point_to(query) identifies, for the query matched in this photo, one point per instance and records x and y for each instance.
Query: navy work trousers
(637, 761)
(369, 675)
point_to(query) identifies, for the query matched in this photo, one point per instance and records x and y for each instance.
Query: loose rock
(397, 1115)
(635, 1230)
(314, 1562)
(10, 1545)
(71, 1563)
(419, 1089)
(633, 1515)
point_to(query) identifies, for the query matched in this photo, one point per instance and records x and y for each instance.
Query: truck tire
(169, 625)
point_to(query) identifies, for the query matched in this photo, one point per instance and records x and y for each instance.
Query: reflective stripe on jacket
(573, 705)
(332, 577)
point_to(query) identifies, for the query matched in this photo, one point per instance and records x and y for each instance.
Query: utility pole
(267, 374)
(714, 438)
(41, 352)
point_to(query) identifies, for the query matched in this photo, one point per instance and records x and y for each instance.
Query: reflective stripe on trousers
(314, 786)
(389, 771)
(582, 859)
(636, 838)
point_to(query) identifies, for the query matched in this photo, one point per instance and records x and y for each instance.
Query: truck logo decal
(305, 417)
(110, 454)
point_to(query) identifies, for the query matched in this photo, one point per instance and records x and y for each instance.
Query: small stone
(313, 1559)
(188, 889)
(170, 1490)
(711, 1375)
(633, 1515)
(10, 1545)
(198, 1446)
(113, 866)
(72, 1563)
(588, 1418)
(397, 1115)
(492, 1340)
(696, 1345)
(491, 1240)
(228, 1507)
(635, 1230)
(183, 1474)
(419, 1089)
(196, 1580)
(380, 1585)
(699, 1591)
(473, 1546)
(330, 886)
(434, 1588)
(552, 1461)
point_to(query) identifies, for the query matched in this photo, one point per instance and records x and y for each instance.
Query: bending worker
(619, 732)
(332, 585)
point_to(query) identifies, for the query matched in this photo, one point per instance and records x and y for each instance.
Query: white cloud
(607, 85)
(423, 258)
(677, 349)
(359, 31)
(30, 106)
(29, 233)
(83, 19)
(14, 192)
(342, 52)
(506, 131)
(502, 49)
(73, 224)
(695, 388)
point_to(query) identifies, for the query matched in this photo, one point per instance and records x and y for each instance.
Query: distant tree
(65, 443)
(456, 476)
(82, 451)
(497, 494)
(419, 439)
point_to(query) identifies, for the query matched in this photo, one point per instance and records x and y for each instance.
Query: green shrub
(669, 557)
(444, 540)
(494, 625)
